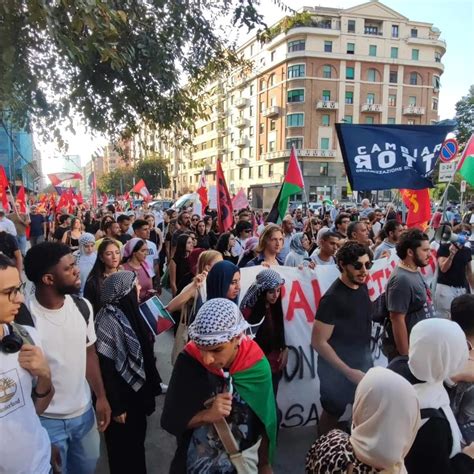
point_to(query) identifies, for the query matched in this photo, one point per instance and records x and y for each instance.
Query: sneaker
(164, 388)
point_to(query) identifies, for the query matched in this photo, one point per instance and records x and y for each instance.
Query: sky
(455, 19)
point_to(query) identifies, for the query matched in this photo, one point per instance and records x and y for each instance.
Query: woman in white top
(299, 246)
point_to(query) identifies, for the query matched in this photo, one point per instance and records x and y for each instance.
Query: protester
(124, 223)
(225, 244)
(249, 252)
(341, 224)
(328, 244)
(71, 236)
(25, 446)
(359, 232)
(66, 330)
(202, 238)
(269, 247)
(231, 382)
(128, 369)
(141, 229)
(155, 232)
(243, 232)
(85, 258)
(111, 231)
(288, 229)
(37, 227)
(21, 222)
(135, 253)
(341, 334)
(64, 223)
(392, 230)
(385, 420)
(311, 230)
(299, 246)
(179, 269)
(9, 247)
(6, 225)
(298, 222)
(223, 281)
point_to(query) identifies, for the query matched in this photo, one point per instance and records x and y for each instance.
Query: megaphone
(444, 235)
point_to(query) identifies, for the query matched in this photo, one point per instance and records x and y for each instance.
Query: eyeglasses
(194, 219)
(358, 265)
(12, 293)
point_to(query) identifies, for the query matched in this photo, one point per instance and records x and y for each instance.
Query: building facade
(366, 64)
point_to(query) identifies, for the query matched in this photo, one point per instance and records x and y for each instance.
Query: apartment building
(366, 64)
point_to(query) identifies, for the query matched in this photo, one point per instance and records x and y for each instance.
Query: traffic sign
(446, 171)
(449, 150)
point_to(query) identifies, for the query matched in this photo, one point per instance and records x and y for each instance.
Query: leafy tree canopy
(115, 64)
(465, 117)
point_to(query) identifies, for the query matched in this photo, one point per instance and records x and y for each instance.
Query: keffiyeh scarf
(296, 245)
(267, 279)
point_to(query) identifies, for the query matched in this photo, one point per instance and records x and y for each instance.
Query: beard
(417, 261)
(68, 290)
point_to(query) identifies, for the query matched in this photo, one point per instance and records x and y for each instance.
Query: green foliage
(119, 181)
(465, 117)
(285, 25)
(115, 64)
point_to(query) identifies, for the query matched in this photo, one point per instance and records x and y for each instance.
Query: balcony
(272, 111)
(302, 153)
(413, 110)
(242, 161)
(327, 105)
(430, 41)
(241, 103)
(242, 122)
(241, 142)
(371, 108)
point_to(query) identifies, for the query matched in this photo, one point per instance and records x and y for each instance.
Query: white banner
(298, 395)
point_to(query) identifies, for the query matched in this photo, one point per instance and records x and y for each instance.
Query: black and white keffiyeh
(218, 321)
(267, 279)
(116, 339)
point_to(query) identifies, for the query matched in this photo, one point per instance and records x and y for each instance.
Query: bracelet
(42, 395)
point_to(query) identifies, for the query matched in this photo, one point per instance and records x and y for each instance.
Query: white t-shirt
(239, 247)
(24, 447)
(152, 256)
(65, 337)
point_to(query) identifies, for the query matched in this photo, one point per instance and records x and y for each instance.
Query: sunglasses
(248, 231)
(359, 265)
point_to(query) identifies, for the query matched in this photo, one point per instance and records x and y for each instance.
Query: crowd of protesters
(77, 358)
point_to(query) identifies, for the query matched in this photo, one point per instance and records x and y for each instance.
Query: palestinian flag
(466, 164)
(293, 184)
(252, 378)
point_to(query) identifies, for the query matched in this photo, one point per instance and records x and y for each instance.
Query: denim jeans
(22, 243)
(77, 440)
(37, 239)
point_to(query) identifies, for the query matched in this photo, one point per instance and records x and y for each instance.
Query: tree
(118, 181)
(115, 64)
(153, 171)
(465, 117)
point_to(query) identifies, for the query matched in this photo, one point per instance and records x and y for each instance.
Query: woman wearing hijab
(85, 258)
(128, 370)
(135, 253)
(249, 252)
(299, 246)
(437, 351)
(223, 281)
(385, 419)
(261, 306)
(230, 378)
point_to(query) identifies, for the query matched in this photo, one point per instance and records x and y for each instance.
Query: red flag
(202, 192)
(79, 198)
(419, 207)
(140, 188)
(57, 178)
(4, 185)
(225, 218)
(105, 199)
(21, 199)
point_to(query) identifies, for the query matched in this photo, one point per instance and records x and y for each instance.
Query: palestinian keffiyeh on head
(116, 339)
(84, 239)
(438, 350)
(267, 279)
(296, 245)
(130, 246)
(217, 322)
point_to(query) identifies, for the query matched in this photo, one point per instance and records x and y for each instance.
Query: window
(250, 151)
(260, 171)
(298, 70)
(392, 100)
(272, 56)
(350, 48)
(351, 26)
(251, 50)
(350, 73)
(261, 107)
(271, 80)
(251, 89)
(393, 79)
(434, 104)
(296, 142)
(370, 98)
(414, 33)
(296, 95)
(347, 119)
(394, 53)
(328, 46)
(324, 143)
(261, 128)
(251, 110)
(260, 149)
(436, 82)
(324, 168)
(411, 122)
(325, 120)
(394, 31)
(369, 120)
(295, 120)
(415, 54)
(327, 72)
(437, 57)
(326, 95)
(272, 124)
(349, 97)
(251, 131)
(413, 78)
(412, 100)
(262, 84)
(297, 45)
(372, 50)
(271, 146)
(270, 171)
(371, 75)
(391, 120)
(250, 172)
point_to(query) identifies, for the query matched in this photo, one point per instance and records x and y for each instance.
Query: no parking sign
(449, 150)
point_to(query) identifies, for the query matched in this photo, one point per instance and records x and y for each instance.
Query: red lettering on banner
(377, 278)
(297, 300)
(316, 292)
(431, 263)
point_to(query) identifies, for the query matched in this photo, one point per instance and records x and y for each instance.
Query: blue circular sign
(449, 150)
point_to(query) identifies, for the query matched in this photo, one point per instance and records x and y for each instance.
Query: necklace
(412, 268)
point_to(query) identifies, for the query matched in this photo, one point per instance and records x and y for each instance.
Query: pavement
(160, 446)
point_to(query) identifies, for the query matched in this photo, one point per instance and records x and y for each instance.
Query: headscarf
(296, 244)
(438, 350)
(130, 246)
(217, 322)
(116, 339)
(219, 279)
(85, 261)
(385, 420)
(267, 279)
(249, 246)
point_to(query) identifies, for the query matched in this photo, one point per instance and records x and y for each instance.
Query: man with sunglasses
(341, 334)
(243, 231)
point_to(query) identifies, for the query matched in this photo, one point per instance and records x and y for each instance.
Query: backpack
(83, 309)
(22, 333)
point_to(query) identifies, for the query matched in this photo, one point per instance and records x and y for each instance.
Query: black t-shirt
(349, 311)
(124, 238)
(36, 225)
(59, 232)
(8, 244)
(456, 275)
